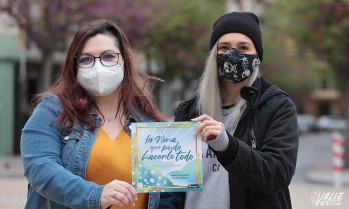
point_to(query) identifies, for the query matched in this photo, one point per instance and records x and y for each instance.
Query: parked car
(331, 123)
(306, 123)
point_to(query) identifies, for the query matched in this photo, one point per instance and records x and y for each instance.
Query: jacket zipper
(253, 137)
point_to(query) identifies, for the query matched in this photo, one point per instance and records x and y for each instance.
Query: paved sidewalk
(11, 166)
(13, 192)
(309, 196)
(325, 176)
(317, 191)
(14, 187)
(13, 184)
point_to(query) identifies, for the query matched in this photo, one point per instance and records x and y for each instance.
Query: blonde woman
(249, 126)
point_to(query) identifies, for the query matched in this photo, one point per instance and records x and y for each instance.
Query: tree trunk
(47, 72)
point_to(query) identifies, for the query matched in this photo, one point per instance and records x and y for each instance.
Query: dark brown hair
(77, 104)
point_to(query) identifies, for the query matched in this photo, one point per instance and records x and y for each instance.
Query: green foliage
(283, 63)
(179, 36)
(173, 33)
(321, 26)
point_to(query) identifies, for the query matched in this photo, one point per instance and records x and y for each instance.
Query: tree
(283, 64)
(323, 28)
(179, 37)
(134, 17)
(50, 24)
(41, 20)
(174, 34)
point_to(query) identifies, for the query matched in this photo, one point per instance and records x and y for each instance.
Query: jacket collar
(259, 93)
(252, 93)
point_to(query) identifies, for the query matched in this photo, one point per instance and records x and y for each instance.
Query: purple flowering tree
(49, 24)
(46, 24)
(173, 34)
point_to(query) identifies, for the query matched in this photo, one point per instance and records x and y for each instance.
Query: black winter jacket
(262, 154)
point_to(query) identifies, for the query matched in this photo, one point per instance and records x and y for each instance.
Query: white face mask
(100, 80)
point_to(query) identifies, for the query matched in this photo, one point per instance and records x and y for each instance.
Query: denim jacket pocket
(69, 142)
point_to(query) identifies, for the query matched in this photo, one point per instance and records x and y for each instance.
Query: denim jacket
(55, 163)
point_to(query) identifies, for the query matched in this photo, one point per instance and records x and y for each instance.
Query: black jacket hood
(260, 92)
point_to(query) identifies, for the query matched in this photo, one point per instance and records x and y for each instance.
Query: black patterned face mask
(235, 67)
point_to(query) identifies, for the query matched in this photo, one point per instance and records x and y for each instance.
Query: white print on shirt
(210, 154)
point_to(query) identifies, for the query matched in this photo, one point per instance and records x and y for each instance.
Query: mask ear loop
(256, 62)
(123, 62)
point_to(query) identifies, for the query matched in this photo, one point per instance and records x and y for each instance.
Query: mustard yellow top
(110, 160)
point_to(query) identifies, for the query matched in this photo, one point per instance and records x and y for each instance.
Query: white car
(306, 123)
(331, 123)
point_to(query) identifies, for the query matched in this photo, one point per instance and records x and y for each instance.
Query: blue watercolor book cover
(166, 157)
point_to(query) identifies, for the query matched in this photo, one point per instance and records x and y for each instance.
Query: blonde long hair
(210, 91)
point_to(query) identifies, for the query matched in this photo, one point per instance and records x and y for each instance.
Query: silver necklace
(110, 119)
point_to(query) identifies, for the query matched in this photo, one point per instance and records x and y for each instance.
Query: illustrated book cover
(166, 157)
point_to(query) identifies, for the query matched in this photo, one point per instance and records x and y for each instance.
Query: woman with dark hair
(76, 147)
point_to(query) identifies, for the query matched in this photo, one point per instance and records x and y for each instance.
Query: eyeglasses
(107, 59)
